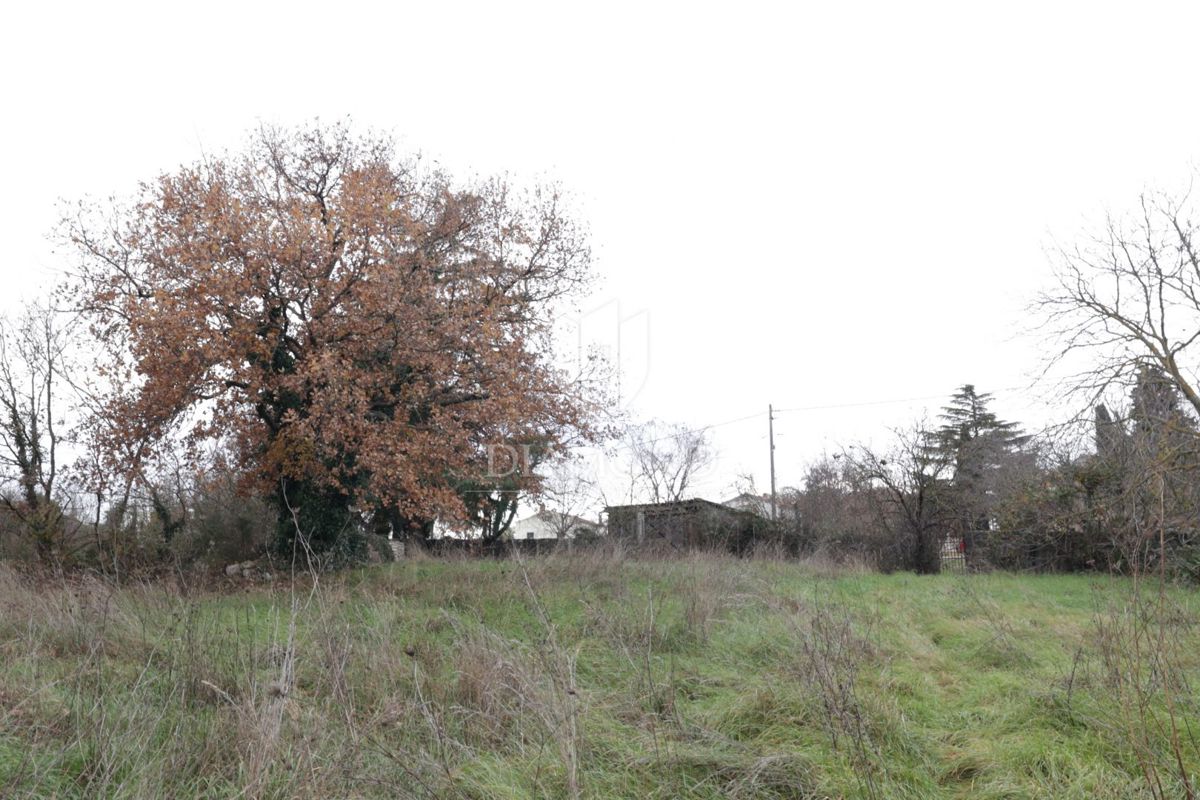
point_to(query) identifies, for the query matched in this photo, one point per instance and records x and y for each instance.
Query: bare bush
(1149, 696)
(907, 489)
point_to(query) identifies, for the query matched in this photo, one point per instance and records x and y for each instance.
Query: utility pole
(618, 354)
(771, 436)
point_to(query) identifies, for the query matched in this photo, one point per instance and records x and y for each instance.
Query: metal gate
(954, 554)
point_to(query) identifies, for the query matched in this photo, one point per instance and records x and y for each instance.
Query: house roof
(558, 517)
(678, 507)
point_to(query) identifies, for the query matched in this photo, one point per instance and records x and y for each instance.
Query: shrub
(225, 525)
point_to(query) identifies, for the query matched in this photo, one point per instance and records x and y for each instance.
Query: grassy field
(600, 677)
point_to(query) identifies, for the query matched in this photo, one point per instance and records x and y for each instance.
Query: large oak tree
(360, 325)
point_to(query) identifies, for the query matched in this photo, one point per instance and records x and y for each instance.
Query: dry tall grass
(595, 674)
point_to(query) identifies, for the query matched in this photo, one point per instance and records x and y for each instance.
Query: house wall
(540, 527)
(546, 526)
(543, 526)
(685, 525)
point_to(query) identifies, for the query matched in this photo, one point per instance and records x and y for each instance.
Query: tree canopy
(359, 325)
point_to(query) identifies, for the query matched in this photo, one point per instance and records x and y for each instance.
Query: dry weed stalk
(832, 654)
(560, 715)
(1141, 650)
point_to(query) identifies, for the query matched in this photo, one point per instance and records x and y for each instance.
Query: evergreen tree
(1111, 440)
(967, 419)
(1159, 435)
(980, 445)
(1161, 480)
(1160, 423)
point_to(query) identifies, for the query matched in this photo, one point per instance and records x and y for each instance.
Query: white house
(549, 524)
(787, 509)
(543, 524)
(755, 504)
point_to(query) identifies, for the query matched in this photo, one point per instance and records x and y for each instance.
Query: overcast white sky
(815, 204)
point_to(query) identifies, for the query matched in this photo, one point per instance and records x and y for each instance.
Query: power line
(832, 406)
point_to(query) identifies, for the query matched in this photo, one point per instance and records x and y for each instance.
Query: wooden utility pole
(771, 436)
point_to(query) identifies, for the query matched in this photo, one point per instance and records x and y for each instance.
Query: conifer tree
(980, 445)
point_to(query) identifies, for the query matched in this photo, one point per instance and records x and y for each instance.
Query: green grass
(600, 677)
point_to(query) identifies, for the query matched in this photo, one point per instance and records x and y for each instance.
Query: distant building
(787, 505)
(753, 503)
(539, 526)
(551, 524)
(687, 524)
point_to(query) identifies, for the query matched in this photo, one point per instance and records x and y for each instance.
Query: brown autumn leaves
(339, 316)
